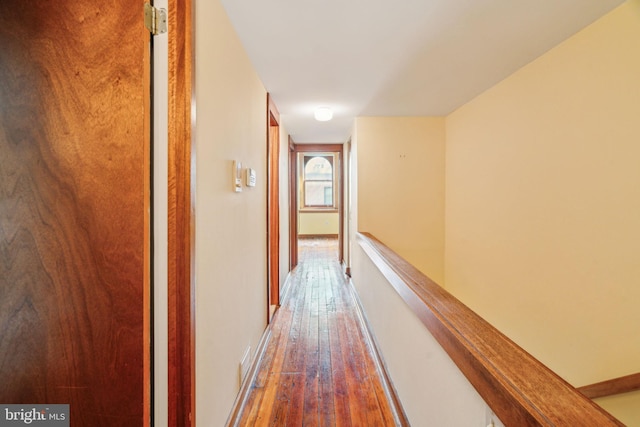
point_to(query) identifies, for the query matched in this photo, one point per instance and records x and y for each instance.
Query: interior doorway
(317, 196)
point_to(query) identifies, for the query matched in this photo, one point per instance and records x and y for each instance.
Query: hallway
(318, 368)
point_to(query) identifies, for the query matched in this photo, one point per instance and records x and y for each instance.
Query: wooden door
(74, 202)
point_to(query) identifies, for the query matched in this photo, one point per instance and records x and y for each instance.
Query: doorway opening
(317, 200)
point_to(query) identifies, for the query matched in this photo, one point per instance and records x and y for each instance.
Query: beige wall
(543, 203)
(230, 259)
(625, 407)
(400, 173)
(430, 386)
(541, 192)
(318, 223)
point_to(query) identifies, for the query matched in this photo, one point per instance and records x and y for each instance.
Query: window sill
(318, 210)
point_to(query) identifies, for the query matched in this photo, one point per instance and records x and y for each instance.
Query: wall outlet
(245, 364)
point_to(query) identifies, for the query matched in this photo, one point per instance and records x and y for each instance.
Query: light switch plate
(251, 177)
(237, 176)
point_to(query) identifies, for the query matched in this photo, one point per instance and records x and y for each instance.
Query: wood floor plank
(325, 397)
(317, 369)
(266, 406)
(297, 363)
(365, 369)
(386, 411)
(341, 393)
(254, 400)
(357, 404)
(310, 417)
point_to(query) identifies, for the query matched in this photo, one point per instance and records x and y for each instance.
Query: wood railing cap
(519, 389)
(619, 385)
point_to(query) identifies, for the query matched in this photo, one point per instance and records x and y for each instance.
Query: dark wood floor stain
(318, 369)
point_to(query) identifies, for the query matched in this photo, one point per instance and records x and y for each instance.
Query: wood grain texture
(181, 219)
(317, 369)
(518, 388)
(611, 387)
(74, 162)
(293, 206)
(273, 205)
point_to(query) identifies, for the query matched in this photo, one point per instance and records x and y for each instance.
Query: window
(318, 181)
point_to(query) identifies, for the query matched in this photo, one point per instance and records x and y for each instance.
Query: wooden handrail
(520, 390)
(611, 387)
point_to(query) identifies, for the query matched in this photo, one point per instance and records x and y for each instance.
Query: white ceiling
(394, 57)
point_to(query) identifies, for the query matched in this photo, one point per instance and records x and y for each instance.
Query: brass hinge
(155, 19)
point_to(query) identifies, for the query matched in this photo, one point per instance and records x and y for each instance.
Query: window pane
(328, 196)
(318, 193)
(318, 169)
(318, 181)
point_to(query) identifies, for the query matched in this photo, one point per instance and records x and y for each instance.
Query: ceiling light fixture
(323, 114)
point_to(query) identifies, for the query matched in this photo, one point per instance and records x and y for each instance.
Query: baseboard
(346, 270)
(317, 236)
(245, 387)
(396, 406)
(286, 287)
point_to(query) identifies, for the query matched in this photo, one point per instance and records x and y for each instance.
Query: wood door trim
(293, 206)
(274, 114)
(324, 148)
(273, 207)
(181, 217)
(341, 208)
(147, 336)
(293, 194)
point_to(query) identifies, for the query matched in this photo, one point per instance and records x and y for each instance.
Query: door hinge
(155, 19)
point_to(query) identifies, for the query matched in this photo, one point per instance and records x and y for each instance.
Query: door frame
(181, 215)
(294, 194)
(273, 208)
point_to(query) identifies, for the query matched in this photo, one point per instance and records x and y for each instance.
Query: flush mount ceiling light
(323, 114)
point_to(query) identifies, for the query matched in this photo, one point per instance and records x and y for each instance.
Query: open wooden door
(74, 207)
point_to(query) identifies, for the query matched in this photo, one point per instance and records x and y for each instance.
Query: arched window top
(318, 169)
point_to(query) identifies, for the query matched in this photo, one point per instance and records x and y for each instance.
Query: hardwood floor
(318, 368)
